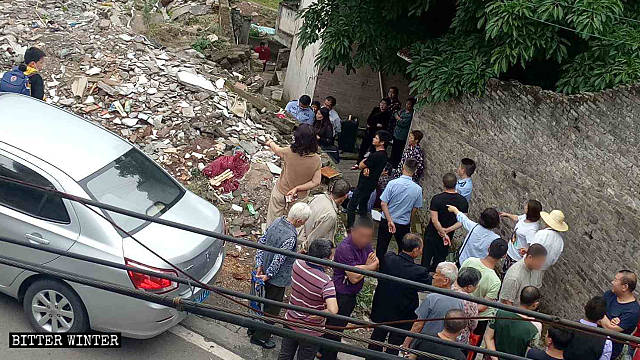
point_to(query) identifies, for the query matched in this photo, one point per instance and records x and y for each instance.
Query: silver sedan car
(47, 146)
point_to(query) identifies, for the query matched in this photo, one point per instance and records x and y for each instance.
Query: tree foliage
(582, 45)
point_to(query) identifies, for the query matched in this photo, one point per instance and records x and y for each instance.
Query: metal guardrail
(554, 320)
(195, 308)
(182, 280)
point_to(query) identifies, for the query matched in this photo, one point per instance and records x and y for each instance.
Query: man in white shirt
(324, 215)
(330, 103)
(551, 236)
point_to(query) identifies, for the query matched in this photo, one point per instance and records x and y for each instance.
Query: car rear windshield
(135, 183)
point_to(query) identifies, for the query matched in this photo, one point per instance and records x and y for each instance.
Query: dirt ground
(181, 34)
(266, 16)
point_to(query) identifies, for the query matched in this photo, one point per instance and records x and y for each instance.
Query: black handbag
(464, 244)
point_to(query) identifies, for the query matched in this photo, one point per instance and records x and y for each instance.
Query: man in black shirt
(585, 346)
(24, 79)
(439, 232)
(370, 170)
(394, 301)
(557, 341)
(451, 331)
(378, 120)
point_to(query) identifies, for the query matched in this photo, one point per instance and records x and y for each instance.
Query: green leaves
(448, 67)
(585, 74)
(594, 16)
(608, 63)
(594, 40)
(552, 10)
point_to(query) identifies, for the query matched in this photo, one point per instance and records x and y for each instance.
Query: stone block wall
(576, 153)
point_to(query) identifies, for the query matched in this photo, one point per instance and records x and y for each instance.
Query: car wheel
(53, 306)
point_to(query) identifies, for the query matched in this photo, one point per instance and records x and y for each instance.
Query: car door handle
(36, 238)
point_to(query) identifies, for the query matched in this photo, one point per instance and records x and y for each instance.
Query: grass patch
(364, 300)
(206, 22)
(273, 4)
(146, 11)
(199, 185)
(170, 34)
(201, 44)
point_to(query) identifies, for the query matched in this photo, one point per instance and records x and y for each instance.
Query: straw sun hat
(555, 220)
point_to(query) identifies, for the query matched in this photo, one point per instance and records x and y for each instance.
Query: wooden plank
(329, 172)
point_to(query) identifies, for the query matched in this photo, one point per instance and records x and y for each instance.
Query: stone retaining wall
(576, 153)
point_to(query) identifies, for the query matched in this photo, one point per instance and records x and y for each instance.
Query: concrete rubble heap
(175, 105)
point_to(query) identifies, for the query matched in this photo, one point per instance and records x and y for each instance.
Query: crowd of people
(393, 183)
(389, 116)
(484, 265)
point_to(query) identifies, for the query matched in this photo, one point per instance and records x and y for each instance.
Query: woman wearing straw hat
(551, 236)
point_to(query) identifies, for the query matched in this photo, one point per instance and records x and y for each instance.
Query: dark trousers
(271, 292)
(393, 338)
(305, 351)
(434, 251)
(507, 262)
(396, 151)
(346, 304)
(358, 201)
(384, 237)
(365, 145)
(481, 328)
(479, 331)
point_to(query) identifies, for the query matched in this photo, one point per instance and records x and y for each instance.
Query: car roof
(58, 137)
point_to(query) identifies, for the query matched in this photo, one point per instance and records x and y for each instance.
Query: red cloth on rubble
(238, 164)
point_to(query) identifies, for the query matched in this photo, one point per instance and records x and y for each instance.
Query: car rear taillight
(151, 283)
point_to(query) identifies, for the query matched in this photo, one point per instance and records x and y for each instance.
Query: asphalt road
(167, 346)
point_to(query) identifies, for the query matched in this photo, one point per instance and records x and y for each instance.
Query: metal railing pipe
(260, 299)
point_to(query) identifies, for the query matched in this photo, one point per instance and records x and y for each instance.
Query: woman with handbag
(480, 234)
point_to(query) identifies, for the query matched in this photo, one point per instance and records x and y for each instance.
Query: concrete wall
(576, 153)
(286, 24)
(302, 71)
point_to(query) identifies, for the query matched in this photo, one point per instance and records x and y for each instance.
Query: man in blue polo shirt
(301, 110)
(623, 309)
(464, 186)
(398, 201)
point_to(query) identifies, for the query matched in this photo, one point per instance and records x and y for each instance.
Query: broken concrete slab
(179, 12)
(106, 88)
(195, 80)
(104, 24)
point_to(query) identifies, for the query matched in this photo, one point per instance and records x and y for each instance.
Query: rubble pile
(176, 105)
